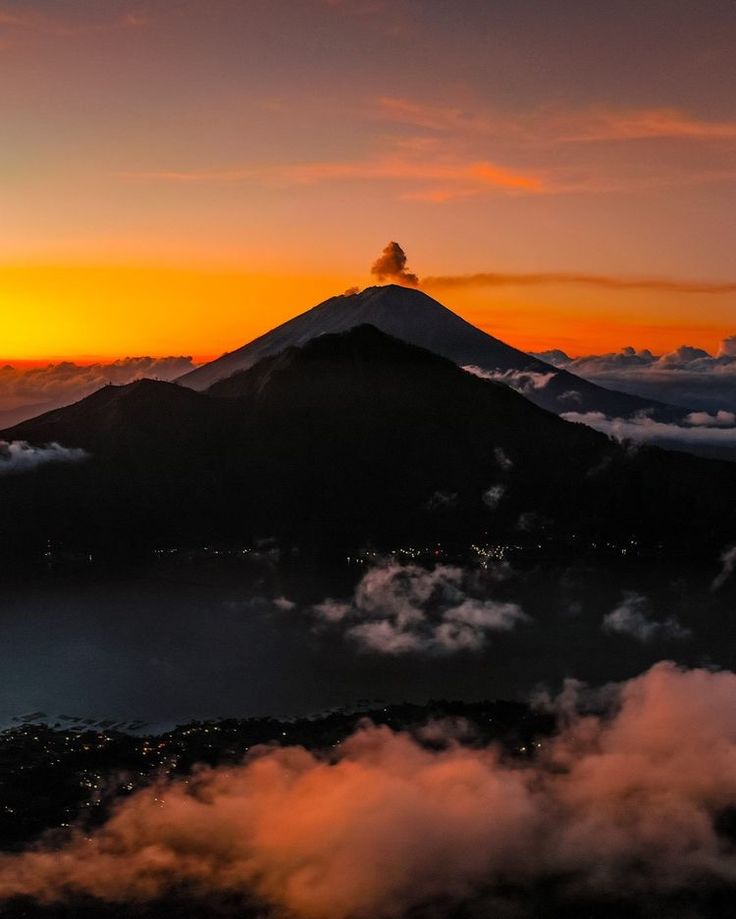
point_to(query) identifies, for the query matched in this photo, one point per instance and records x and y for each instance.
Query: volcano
(418, 319)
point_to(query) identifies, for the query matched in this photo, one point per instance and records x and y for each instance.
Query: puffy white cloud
(719, 419)
(631, 617)
(493, 495)
(398, 609)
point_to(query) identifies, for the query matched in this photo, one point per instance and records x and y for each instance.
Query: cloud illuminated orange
(457, 177)
(557, 125)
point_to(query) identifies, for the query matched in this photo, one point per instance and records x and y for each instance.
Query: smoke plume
(607, 282)
(391, 266)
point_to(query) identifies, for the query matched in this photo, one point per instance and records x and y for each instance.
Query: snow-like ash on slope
(623, 803)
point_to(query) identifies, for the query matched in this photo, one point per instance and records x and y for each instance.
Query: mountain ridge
(354, 438)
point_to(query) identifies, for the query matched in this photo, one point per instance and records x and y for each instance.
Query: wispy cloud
(441, 118)
(556, 126)
(448, 177)
(728, 565)
(55, 23)
(642, 429)
(570, 279)
(453, 153)
(646, 124)
(580, 151)
(523, 381)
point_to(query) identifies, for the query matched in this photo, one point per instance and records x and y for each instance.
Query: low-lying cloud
(17, 456)
(633, 618)
(623, 805)
(406, 609)
(523, 381)
(688, 376)
(493, 496)
(27, 392)
(643, 429)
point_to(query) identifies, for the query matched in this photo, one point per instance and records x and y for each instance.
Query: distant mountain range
(418, 319)
(355, 437)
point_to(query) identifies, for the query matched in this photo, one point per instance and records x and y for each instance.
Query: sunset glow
(163, 164)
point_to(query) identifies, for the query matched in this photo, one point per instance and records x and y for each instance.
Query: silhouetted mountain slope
(416, 318)
(354, 437)
(117, 415)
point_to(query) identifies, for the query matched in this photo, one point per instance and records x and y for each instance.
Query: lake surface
(172, 642)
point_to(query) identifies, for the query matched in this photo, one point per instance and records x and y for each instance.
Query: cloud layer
(623, 803)
(687, 376)
(642, 429)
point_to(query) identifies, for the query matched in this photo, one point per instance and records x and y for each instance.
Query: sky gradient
(178, 177)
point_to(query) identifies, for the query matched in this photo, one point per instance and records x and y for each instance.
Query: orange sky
(91, 312)
(176, 179)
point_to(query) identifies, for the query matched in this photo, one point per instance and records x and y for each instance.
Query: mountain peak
(402, 312)
(414, 317)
